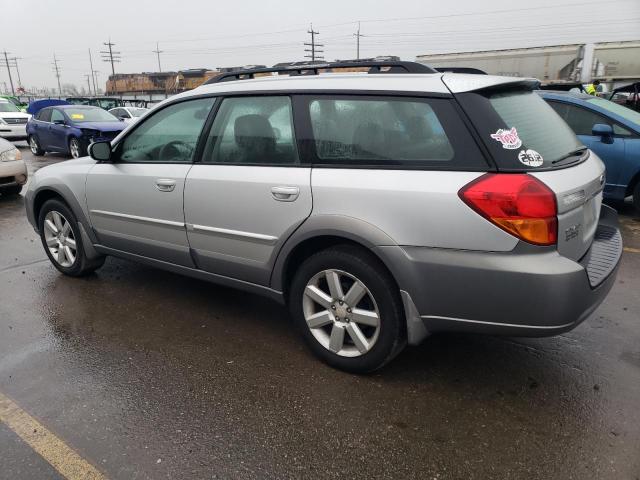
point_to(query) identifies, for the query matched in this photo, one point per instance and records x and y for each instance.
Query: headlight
(11, 155)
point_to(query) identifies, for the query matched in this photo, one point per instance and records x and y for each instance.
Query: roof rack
(314, 69)
(468, 70)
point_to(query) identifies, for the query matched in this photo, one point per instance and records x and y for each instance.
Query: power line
(157, 51)
(110, 56)
(314, 51)
(57, 70)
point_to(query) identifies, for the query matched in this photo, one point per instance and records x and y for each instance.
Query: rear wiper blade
(573, 153)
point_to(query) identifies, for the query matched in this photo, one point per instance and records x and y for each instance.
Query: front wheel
(62, 241)
(34, 146)
(348, 309)
(75, 148)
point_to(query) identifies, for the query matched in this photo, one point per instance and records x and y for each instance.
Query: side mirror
(100, 151)
(604, 131)
(59, 122)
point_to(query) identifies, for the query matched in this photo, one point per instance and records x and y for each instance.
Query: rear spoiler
(460, 83)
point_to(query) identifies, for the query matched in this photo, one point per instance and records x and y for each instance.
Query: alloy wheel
(60, 239)
(33, 145)
(341, 313)
(74, 148)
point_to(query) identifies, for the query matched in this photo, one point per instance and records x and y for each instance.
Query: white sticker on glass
(530, 158)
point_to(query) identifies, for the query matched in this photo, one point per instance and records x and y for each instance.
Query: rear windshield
(521, 131)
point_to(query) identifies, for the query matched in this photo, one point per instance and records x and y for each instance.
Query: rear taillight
(518, 203)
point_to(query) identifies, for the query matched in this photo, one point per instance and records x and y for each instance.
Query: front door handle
(285, 194)
(165, 184)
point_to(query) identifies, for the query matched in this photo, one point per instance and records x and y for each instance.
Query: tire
(365, 346)
(76, 149)
(13, 190)
(636, 197)
(63, 220)
(34, 146)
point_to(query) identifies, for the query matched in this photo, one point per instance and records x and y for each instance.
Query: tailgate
(578, 192)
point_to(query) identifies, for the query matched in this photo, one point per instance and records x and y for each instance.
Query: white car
(128, 114)
(13, 122)
(13, 170)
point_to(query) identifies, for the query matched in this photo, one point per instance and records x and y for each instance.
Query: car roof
(82, 107)
(439, 83)
(562, 93)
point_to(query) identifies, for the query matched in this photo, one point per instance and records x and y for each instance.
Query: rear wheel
(62, 241)
(75, 148)
(34, 146)
(348, 309)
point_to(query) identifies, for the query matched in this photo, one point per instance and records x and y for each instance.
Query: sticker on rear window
(530, 158)
(77, 116)
(508, 138)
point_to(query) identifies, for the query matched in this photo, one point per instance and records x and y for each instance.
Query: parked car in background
(106, 103)
(70, 129)
(16, 101)
(13, 171)
(128, 114)
(12, 121)
(380, 208)
(610, 130)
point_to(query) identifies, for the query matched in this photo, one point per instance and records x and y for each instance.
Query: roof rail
(314, 69)
(468, 70)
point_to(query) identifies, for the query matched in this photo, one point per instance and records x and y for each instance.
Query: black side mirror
(604, 131)
(59, 122)
(100, 151)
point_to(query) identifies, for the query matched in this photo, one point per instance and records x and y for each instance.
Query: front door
(249, 192)
(57, 132)
(136, 202)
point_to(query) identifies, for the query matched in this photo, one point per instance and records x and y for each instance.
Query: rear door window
(45, 115)
(521, 131)
(394, 131)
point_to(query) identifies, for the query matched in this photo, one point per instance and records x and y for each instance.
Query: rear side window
(521, 131)
(405, 132)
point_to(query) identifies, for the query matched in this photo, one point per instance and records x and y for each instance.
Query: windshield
(621, 110)
(521, 131)
(80, 115)
(138, 112)
(8, 107)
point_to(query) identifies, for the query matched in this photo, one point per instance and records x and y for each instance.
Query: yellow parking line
(632, 250)
(61, 457)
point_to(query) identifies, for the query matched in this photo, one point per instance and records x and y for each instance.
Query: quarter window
(170, 135)
(381, 131)
(252, 130)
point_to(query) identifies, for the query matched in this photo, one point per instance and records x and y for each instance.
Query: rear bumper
(531, 291)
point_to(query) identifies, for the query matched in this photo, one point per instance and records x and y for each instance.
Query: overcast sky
(209, 34)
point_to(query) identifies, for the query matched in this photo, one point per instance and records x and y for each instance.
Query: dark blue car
(612, 131)
(70, 129)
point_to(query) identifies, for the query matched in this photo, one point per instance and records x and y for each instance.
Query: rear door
(136, 202)
(41, 127)
(249, 192)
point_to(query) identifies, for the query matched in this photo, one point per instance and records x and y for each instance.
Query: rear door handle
(285, 194)
(165, 184)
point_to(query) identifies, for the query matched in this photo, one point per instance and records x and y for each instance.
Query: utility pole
(110, 56)
(358, 35)
(6, 61)
(157, 51)
(88, 83)
(93, 78)
(57, 70)
(314, 51)
(15, 64)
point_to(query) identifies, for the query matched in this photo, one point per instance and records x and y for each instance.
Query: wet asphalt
(147, 374)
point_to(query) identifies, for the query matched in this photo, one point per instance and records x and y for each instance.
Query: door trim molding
(233, 233)
(138, 218)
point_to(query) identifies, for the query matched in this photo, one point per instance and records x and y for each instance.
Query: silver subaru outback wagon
(380, 208)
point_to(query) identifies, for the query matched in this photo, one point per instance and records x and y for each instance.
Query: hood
(102, 126)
